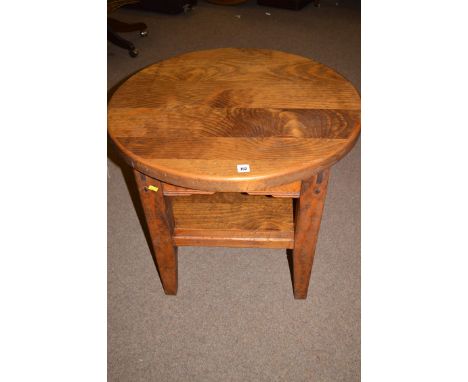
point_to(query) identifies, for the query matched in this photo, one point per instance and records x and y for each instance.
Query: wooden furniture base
(282, 217)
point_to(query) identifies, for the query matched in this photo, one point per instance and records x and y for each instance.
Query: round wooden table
(233, 147)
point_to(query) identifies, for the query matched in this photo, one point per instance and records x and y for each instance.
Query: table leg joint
(308, 215)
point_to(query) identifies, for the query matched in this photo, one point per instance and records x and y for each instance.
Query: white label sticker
(243, 168)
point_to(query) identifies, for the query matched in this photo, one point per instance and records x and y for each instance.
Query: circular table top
(196, 120)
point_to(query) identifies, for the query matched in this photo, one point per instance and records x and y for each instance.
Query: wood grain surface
(233, 220)
(160, 223)
(190, 120)
(309, 210)
(290, 190)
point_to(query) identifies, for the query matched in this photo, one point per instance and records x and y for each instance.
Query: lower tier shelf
(233, 220)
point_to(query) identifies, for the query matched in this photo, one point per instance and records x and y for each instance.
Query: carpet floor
(235, 318)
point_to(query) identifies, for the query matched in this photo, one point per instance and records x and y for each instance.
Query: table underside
(282, 217)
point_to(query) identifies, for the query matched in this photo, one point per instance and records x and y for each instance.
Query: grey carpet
(235, 318)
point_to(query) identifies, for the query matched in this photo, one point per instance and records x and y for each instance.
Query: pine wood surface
(190, 120)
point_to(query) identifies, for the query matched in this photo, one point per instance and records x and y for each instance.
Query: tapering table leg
(308, 216)
(160, 222)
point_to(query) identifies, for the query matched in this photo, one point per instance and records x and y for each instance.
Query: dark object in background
(288, 4)
(168, 6)
(227, 2)
(114, 26)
